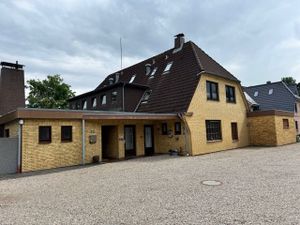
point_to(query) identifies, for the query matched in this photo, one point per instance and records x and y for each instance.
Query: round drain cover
(211, 182)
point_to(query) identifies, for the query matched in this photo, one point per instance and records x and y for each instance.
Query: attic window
(168, 67)
(132, 78)
(84, 104)
(146, 97)
(255, 93)
(111, 80)
(114, 96)
(103, 99)
(153, 72)
(270, 91)
(94, 102)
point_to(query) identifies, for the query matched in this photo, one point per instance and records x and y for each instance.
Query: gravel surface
(259, 186)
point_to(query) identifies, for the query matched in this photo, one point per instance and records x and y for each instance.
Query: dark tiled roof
(172, 91)
(281, 99)
(294, 89)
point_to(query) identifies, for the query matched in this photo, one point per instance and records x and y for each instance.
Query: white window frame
(103, 99)
(168, 67)
(255, 93)
(271, 91)
(84, 105)
(132, 78)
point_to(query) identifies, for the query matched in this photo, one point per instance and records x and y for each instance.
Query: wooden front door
(129, 135)
(149, 140)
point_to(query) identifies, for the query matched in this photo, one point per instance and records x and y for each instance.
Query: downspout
(123, 97)
(83, 141)
(187, 134)
(19, 156)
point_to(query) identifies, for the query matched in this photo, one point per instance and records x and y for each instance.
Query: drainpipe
(187, 133)
(19, 156)
(83, 141)
(123, 97)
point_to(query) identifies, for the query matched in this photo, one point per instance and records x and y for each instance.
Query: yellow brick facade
(13, 128)
(204, 109)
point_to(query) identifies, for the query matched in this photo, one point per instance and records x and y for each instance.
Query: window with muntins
(177, 128)
(164, 128)
(212, 91)
(213, 130)
(230, 94)
(44, 134)
(286, 124)
(234, 131)
(66, 133)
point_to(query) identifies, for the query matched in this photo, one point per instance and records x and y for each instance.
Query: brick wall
(204, 109)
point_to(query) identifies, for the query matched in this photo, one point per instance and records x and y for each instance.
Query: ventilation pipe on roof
(178, 42)
(117, 76)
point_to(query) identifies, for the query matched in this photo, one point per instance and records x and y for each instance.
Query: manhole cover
(211, 182)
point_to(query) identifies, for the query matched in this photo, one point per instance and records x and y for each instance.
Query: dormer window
(153, 72)
(270, 91)
(111, 80)
(94, 102)
(255, 93)
(84, 104)
(132, 79)
(103, 99)
(168, 67)
(114, 96)
(146, 97)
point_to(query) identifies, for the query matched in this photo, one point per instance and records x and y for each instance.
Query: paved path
(259, 186)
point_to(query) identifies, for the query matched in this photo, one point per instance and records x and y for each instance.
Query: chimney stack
(178, 42)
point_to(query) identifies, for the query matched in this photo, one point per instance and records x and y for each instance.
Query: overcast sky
(257, 41)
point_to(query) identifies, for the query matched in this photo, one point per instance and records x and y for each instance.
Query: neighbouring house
(180, 100)
(277, 96)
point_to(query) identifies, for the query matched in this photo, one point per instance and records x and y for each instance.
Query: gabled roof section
(294, 89)
(280, 98)
(173, 90)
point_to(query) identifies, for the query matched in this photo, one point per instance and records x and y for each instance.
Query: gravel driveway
(259, 186)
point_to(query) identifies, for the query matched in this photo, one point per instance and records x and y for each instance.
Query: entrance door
(149, 143)
(129, 134)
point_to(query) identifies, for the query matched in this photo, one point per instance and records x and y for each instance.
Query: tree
(50, 93)
(289, 80)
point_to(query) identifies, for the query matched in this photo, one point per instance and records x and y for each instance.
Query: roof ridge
(257, 85)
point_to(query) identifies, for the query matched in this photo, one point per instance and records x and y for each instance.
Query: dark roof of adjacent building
(273, 96)
(172, 91)
(294, 89)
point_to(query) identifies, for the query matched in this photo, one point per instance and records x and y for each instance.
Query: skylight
(168, 67)
(103, 99)
(94, 102)
(153, 72)
(84, 104)
(270, 91)
(255, 93)
(132, 78)
(146, 97)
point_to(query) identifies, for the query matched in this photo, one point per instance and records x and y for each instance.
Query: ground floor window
(285, 123)
(234, 131)
(44, 134)
(177, 128)
(66, 133)
(213, 130)
(164, 128)
(6, 133)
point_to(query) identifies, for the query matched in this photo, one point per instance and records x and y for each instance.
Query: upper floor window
(103, 99)
(212, 91)
(84, 104)
(94, 102)
(270, 91)
(45, 134)
(255, 93)
(146, 96)
(132, 78)
(230, 94)
(286, 124)
(114, 96)
(168, 67)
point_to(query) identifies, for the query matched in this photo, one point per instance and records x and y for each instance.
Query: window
(114, 96)
(234, 131)
(164, 128)
(230, 94)
(103, 99)
(153, 72)
(213, 130)
(44, 134)
(77, 105)
(255, 93)
(84, 104)
(94, 102)
(286, 124)
(6, 133)
(132, 78)
(212, 91)
(296, 108)
(296, 125)
(66, 133)
(177, 128)
(168, 67)
(270, 91)
(146, 96)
